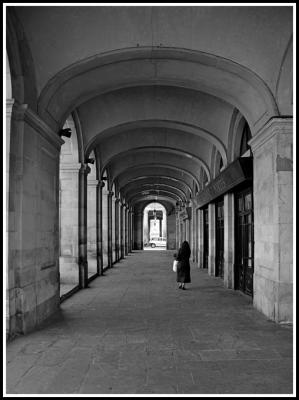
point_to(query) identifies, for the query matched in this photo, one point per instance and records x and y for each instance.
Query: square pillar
(122, 228)
(200, 235)
(212, 240)
(229, 240)
(99, 211)
(138, 230)
(33, 220)
(69, 223)
(110, 194)
(117, 229)
(83, 265)
(273, 219)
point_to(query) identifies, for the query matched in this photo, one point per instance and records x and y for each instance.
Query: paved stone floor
(133, 332)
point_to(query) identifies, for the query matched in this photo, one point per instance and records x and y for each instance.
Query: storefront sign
(237, 172)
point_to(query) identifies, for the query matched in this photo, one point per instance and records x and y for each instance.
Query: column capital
(23, 112)
(110, 193)
(269, 130)
(84, 169)
(101, 184)
(9, 105)
(117, 201)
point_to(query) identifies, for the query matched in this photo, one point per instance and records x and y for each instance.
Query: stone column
(92, 226)
(83, 266)
(117, 229)
(212, 239)
(138, 230)
(177, 229)
(105, 225)
(273, 219)
(193, 233)
(122, 228)
(229, 240)
(33, 220)
(129, 230)
(187, 227)
(171, 231)
(10, 284)
(69, 223)
(126, 229)
(110, 194)
(99, 221)
(183, 231)
(200, 236)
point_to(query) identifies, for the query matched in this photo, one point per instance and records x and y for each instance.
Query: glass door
(244, 241)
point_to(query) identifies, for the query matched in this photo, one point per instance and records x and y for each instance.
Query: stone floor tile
(133, 332)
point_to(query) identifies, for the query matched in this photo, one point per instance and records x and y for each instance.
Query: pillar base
(274, 299)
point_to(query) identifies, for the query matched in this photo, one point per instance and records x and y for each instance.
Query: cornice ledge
(269, 130)
(92, 182)
(24, 112)
(70, 167)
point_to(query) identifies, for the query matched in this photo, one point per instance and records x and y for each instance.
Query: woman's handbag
(175, 266)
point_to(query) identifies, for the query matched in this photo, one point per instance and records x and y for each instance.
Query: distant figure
(183, 268)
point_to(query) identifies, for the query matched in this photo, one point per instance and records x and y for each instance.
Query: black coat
(183, 268)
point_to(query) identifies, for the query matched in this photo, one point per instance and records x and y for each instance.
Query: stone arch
(167, 166)
(160, 149)
(176, 125)
(284, 85)
(156, 229)
(24, 89)
(212, 74)
(235, 135)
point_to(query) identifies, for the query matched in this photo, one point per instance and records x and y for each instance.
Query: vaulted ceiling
(154, 88)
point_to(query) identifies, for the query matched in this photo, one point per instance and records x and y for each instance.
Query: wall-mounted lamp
(65, 132)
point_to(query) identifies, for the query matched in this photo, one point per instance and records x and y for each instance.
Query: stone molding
(269, 130)
(23, 112)
(9, 105)
(92, 182)
(84, 169)
(71, 167)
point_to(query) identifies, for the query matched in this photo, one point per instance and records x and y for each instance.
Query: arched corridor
(134, 332)
(129, 130)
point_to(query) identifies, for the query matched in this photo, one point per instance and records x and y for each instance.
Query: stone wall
(33, 242)
(273, 227)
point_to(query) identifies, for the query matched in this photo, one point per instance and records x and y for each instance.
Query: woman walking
(183, 268)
